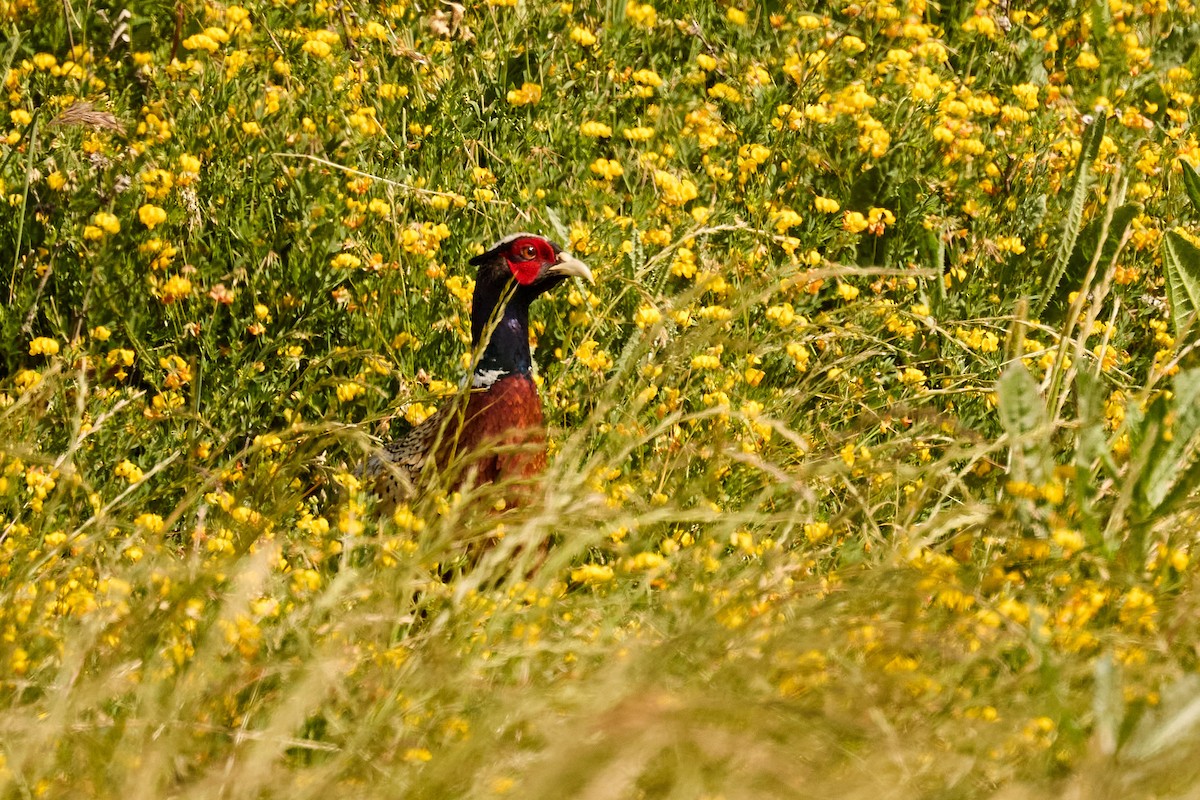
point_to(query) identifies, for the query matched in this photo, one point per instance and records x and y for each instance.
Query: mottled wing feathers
(396, 467)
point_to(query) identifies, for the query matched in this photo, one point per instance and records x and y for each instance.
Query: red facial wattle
(527, 257)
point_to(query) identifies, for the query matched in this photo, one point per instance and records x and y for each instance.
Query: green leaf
(1191, 182)
(1185, 486)
(933, 253)
(1091, 442)
(1181, 263)
(1085, 249)
(1023, 417)
(1108, 704)
(1172, 454)
(1091, 452)
(1080, 182)
(1172, 726)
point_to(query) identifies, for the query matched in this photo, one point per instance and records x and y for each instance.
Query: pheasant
(501, 412)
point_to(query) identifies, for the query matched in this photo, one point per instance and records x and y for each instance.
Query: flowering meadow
(873, 446)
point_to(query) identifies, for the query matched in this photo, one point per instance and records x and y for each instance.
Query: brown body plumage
(500, 430)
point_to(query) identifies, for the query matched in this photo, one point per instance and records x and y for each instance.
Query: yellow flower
(645, 562)
(129, 471)
(119, 357)
(735, 16)
(26, 379)
(317, 48)
(348, 390)
(911, 376)
(416, 413)
(684, 263)
(151, 215)
(674, 191)
(854, 222)
(592, 574)
(529, 94)
(638, 134)
(641, 14)
(43, 346)
(826, 205)
(179, 372)
(723, 91)
(1071, 541)
(345, 261)
(151, 523)
(591, 356)
(164, 401)
(200, 41)
(817, 532)
(19, 664)
(710, 360)
(176, 288)
(305, 581)
(853, 45)
(646, 316)
(583, 37)
(607, 169)
(106, 222)
(786, 219)
(782, 315)
(595, 130)
(647, 77)
(1010, 244)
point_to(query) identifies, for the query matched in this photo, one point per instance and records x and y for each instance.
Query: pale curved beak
(570, 266)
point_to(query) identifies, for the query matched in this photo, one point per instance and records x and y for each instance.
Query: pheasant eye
(527, 252)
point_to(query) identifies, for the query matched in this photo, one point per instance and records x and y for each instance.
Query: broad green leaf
(1184, 486)
(1171, 455)
(933, 251)
(1023, 417)
(1191, 182)
(1091, 449)
(1091, 441)
(1173, 725)
(1080, 182)
(1085, 250)
(1181, 263)
(1108, 705)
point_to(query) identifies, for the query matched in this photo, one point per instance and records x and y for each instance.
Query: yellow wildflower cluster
(528, 94)
(675, 191)
(424, 238)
